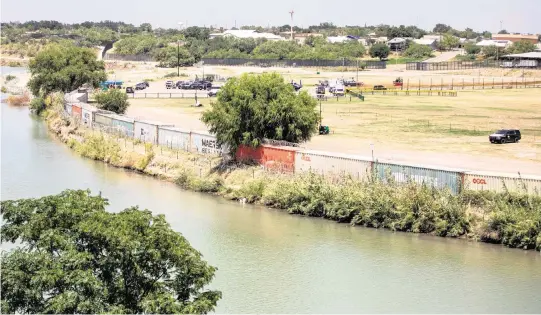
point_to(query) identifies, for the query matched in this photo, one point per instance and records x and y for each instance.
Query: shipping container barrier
(330, 164)
(124, 125)
(480, 181)
(434, 177)
(202, 94)
(174, 138)
(147, 131)
(205, 143)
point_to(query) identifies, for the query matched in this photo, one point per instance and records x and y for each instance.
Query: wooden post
(452, 82)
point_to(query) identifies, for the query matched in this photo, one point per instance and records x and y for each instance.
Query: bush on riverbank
(19, 100)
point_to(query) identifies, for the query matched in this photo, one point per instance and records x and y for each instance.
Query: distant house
(538, 47)
(492, 42)
(397, 43)
(432, 43)
(339, 39)
(247, 34)
(534, 39)
(300, 38)
(525, 60)
(437, 38)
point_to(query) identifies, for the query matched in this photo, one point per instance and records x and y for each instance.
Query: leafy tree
(146, 27)
(492, 52)
(449, 41)
(64, 68)
(380, 51)
(254, 107)
(418, 51)
(78, 258)
(522, 46)
(114, 100)
(487, 34)
(441, 28)
(472, 49)
(503, 32)
(169, 57)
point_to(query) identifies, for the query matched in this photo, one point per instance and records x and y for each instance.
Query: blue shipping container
(436, 178)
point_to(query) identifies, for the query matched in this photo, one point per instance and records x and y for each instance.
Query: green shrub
(113, 100)
(10, 77)
(37, 105)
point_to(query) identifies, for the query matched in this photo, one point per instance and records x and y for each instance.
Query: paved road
(446, 56)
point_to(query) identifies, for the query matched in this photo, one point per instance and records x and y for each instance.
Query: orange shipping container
(246, 153)
(76, 111)
(278, 158)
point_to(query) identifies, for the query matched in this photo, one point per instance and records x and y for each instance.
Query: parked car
(379, 87)
(296, 86)
(170, 85)
(320, 89)
(186, 85)
(505, 135)
(140, 86)
(213, 91)
(350, 82)
(179, 84)
(129, 89)
(146, 83)
(339, 91)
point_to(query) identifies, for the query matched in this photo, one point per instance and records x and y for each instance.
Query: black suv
(505, 135)
(379, 88)
(140, 86)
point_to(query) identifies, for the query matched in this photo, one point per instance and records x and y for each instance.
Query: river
(272, 262)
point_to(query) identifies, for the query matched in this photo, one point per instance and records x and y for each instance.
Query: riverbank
(509, 219)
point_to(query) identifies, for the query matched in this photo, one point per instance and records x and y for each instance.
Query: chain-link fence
(361, 64)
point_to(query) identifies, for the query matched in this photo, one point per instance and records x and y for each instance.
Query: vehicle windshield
(501, 132)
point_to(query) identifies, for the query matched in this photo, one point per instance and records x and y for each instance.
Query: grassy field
(438, 130)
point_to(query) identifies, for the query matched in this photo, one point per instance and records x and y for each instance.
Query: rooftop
(525, 36)
(531, 55)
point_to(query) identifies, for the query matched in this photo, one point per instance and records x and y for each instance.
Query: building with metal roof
(534, 39)
(248, 34)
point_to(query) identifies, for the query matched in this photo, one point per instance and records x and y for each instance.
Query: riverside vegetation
(502, 218)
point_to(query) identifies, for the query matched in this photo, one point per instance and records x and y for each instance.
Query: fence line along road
(466, 65)
(164, 95)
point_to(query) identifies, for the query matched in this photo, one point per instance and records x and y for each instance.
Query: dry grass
(19, 100)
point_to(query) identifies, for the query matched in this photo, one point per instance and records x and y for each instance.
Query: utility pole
(178, 50)
(291, 13)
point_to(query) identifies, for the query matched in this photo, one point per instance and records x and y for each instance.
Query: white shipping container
(206, 144)
(174, 138)
(147, 131)
(496, 182)
(67, 107)
(87, 114)
(333, 164)
(102, 119)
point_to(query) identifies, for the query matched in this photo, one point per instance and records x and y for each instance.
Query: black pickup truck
(505, 135)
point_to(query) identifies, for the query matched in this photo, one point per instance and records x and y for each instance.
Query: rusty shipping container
(76, 112)
(500, 182)
(278, 158)
(333, 164)
(147, 131)
(246, 153)
(434, 176)
(174, 138)
(205, 143)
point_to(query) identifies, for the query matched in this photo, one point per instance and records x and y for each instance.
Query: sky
(521, 16)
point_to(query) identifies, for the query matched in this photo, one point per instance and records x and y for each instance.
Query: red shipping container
(246, 153)
(279, 158)
(76, 111)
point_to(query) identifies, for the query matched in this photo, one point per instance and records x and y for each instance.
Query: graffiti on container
(86, 118)
(209, 146)
(480, 181)
(305, 157)
(419, 179)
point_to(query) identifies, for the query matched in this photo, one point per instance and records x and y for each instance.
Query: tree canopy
(418, 51)
(254, 107)
(75, 257)
(113, 100)
(64, 69)
(520, 47)
(380, 51)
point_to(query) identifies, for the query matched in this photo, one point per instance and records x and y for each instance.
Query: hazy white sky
(516, 15)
